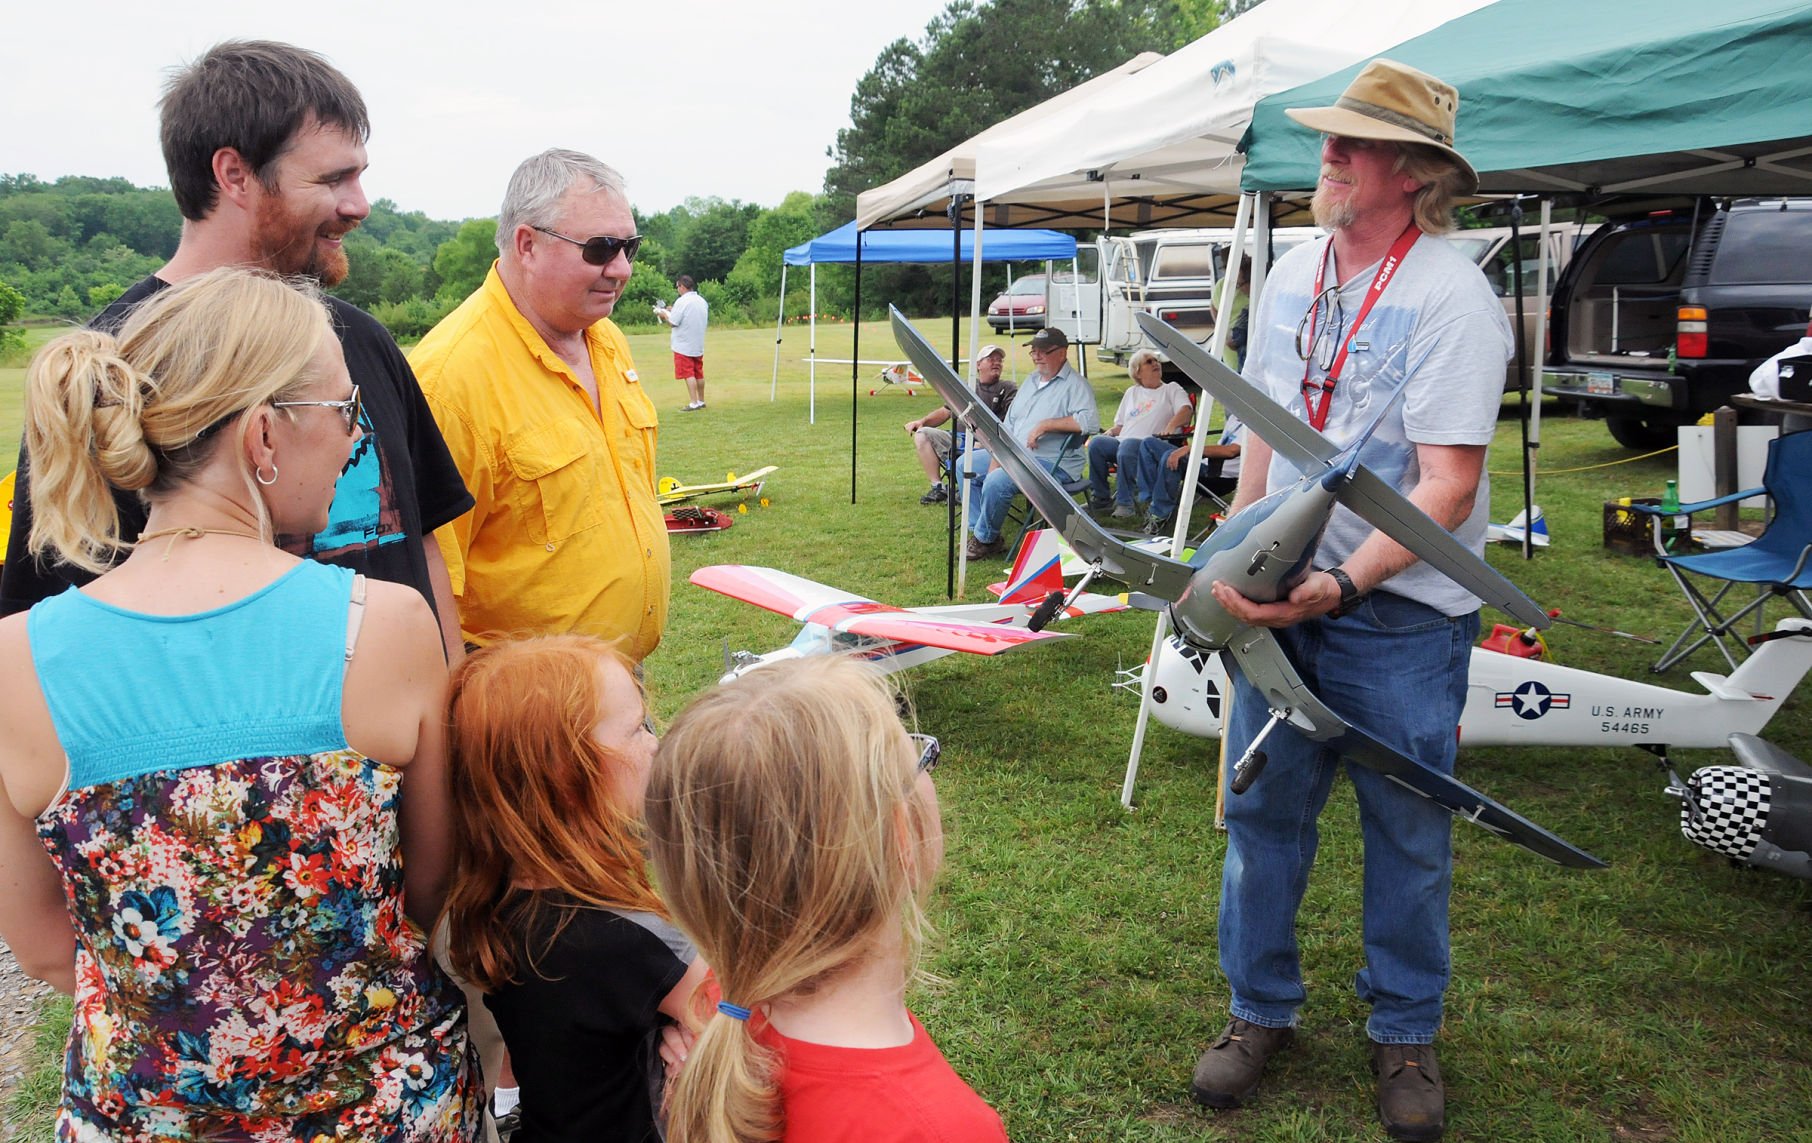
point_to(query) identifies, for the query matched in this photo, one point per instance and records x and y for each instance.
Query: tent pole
(955, 212)
(1522, 367)
(959, 558)
(1012, 331)
(811, 401)
(1075, 308)
(1261, 245)
(779, 320)
(1204, 411)
(1541, 338)
(855, 370)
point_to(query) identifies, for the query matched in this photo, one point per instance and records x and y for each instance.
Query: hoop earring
(258, 475)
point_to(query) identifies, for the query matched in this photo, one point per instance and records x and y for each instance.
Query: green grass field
(1665, 998)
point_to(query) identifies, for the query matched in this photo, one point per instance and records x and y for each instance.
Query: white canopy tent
(1172, 129)
(953, 172)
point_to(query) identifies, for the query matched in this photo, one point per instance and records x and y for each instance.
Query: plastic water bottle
(1676, 529)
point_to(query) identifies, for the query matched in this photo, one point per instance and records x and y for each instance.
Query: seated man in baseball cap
(935, 445)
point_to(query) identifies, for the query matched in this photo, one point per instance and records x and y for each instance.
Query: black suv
(1658, 320)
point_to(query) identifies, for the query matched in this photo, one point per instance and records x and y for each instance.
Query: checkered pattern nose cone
(1725, 809)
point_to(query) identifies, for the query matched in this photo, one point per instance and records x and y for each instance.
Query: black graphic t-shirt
(400, 484)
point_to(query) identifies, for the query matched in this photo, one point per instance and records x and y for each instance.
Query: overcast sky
(706, 97)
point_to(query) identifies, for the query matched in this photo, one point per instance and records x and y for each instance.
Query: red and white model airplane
(896, 638)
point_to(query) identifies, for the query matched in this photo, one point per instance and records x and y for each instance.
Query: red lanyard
(1318, 414)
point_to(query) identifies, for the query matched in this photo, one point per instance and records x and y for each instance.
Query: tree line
(70, 246)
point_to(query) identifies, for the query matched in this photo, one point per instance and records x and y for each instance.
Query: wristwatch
(1349, 595)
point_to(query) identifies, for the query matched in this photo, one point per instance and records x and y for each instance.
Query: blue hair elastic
(733, 1011)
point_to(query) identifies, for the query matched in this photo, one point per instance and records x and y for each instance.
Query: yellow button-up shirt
(566, 534)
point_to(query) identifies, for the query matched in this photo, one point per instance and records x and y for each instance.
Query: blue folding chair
(1775, 562)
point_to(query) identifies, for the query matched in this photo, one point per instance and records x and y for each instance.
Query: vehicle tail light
(1690, 338)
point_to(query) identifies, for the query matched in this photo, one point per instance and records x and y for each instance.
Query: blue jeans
(1399, 668)
(992, 494)
(1103, 451)
(1163, 485)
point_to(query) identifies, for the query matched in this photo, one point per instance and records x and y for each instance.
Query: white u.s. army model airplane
(1263, 551)
(895, 638)
(1512, 701)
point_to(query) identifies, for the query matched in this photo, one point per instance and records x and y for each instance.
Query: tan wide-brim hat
(1394, 102)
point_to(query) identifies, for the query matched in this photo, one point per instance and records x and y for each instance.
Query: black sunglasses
(599, 250)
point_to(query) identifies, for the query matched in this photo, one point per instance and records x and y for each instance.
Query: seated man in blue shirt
(1054, 410)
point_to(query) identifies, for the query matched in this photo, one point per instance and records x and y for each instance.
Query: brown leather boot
(1229, 1071)
(1412, 1100)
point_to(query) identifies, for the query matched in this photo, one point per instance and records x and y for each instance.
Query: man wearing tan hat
(934, 444)
(1375, 316)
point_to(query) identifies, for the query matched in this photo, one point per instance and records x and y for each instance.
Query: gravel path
(20, 996)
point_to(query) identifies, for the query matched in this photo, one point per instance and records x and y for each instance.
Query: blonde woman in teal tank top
(218, 755)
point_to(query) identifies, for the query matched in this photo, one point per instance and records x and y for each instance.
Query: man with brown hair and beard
(265, 145)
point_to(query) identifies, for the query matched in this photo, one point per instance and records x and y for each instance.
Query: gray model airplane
(1263, 551)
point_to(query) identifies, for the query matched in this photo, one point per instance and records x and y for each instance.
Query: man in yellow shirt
(538, 398)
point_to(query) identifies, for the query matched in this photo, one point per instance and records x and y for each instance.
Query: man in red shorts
(688, 316)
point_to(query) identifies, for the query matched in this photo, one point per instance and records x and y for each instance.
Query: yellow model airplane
(671, 491)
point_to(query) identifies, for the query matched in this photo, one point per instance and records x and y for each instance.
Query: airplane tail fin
(1777, 666)
(1513, 532)
(1037, 571)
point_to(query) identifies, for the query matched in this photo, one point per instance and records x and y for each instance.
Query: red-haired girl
(551, 913)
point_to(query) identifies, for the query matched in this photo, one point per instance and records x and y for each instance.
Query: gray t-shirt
(1439, 333)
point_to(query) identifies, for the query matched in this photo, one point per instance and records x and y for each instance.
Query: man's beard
(286, 249)
(1331, 215)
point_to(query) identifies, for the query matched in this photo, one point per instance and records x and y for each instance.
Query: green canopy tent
(1666, 97)
(1558, 96)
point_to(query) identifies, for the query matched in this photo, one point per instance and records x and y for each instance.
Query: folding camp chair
(1776, 562)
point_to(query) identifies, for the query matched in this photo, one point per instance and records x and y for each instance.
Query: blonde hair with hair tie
(143, 410)
(790, 842)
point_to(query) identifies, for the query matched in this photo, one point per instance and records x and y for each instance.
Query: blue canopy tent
(930, 246)
(839, 246)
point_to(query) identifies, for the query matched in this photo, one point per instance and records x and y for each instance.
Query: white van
(1169, 273)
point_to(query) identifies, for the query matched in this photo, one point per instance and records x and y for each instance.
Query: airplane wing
(811, 602)
(781, 592)
(1263, 658)
(1391, 513)
(907, 627)
(1142, 569)
(674, 492)
(1378, 503)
